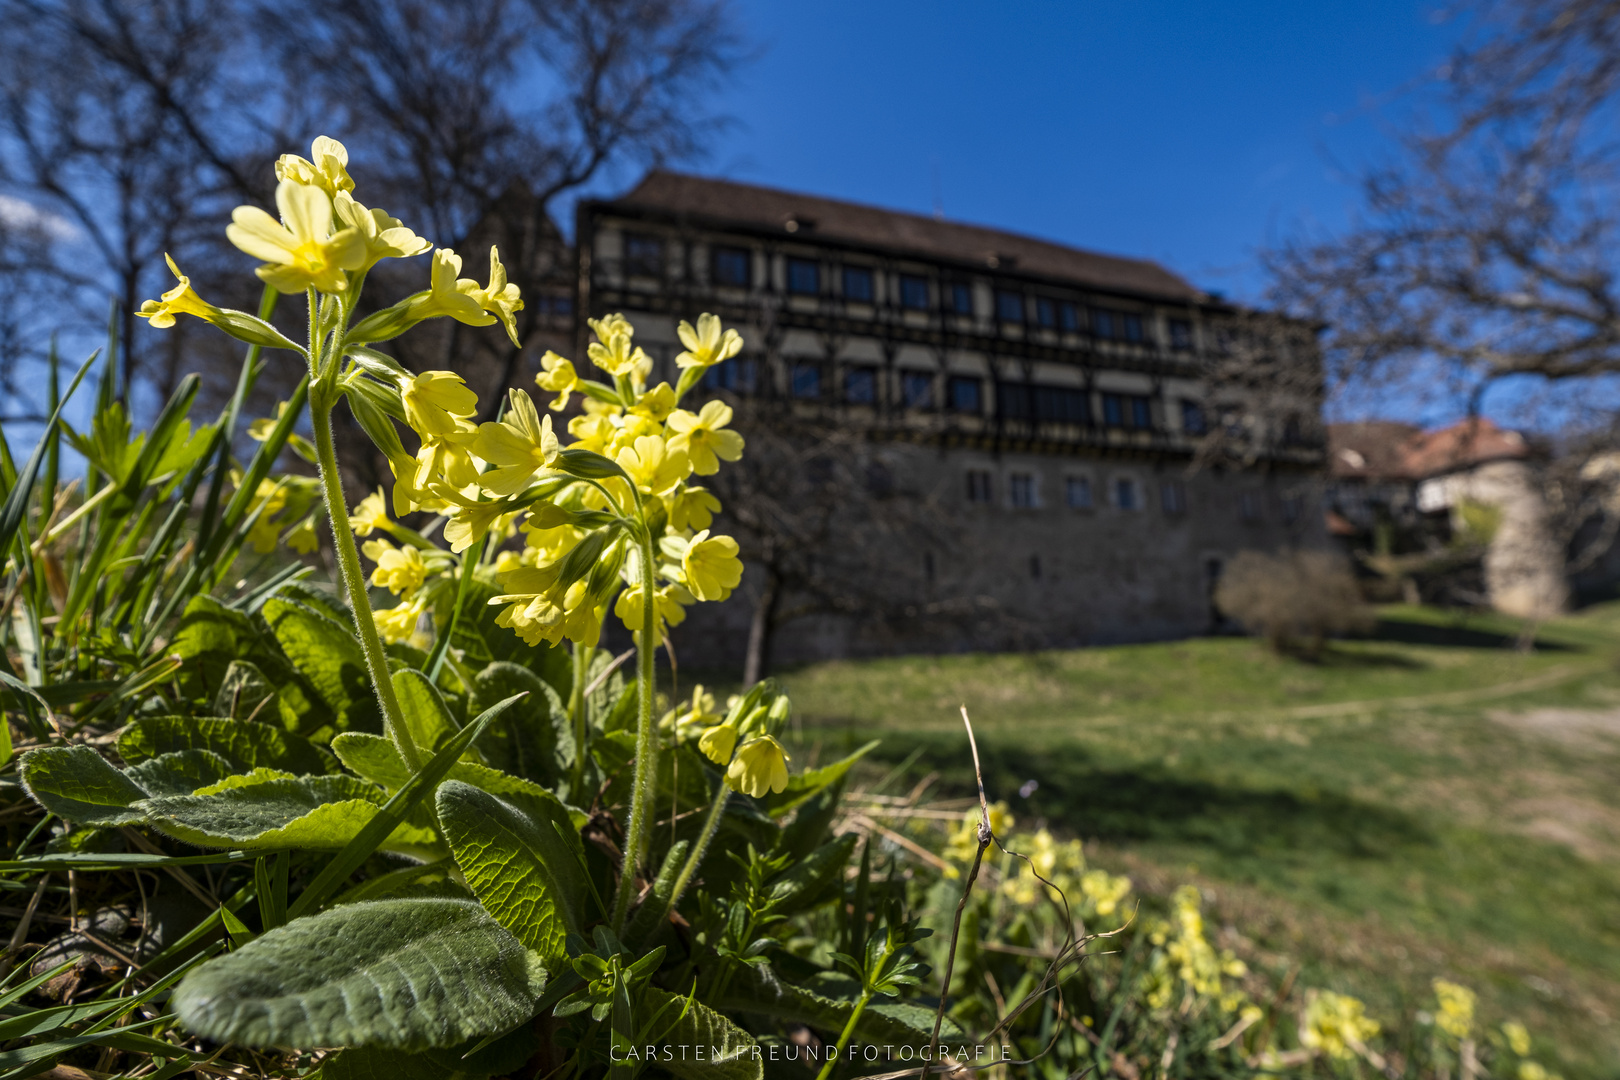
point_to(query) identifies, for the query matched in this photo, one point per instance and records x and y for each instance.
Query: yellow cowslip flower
(711, 566)
(301, 537)
(508, 560)
(182, 299)
(702, 436)
(608, 325)
(550, 544)
(595, 430)
(1518, 1037)
(760, 766)
(437, 403)
(705, 344)
(1456, 1014)
(652, 466)
(537, 612)
(656, 404)
(691, 508)
(617, 356)
(519, 446)
(469, 518)
(397, 624)
(558, 376)
(666, 605)
(700, 712)
(448, 294)
(1105, 890)
(370, 516)
(399, 570)
(329, 169)
(301, 250)
(500, 297)
(265, 533)
(1336, 1025)
(718, 742)
(385, 237)
(1532, 1070)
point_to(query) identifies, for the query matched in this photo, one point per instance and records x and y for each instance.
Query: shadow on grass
(1082, 796)
(1464, 637)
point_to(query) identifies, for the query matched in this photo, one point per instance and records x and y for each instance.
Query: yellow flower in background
(300, 251)
(449, 295)
(1336, 1025)
(1456, 1014)
(706, 345)
(608, 325)
(370, 516)
(656, 404)
(1518, 1037)
(301, 537)
(652, 466)
(1530, 1070)
(399, 570)
(399, 624)
(329, 170)
(500, 297)
(264, 533)
(437, 403)
(594, 430)
(617, 356)
(711, 566)
(1105, 890)
(718, 742)
(760, 766)
(385, 237)
(702, 436)
(692, 508)
(519, 446)
(699, 713)
(558, 376)
(666, 605)
(181, 299)
(469, 518)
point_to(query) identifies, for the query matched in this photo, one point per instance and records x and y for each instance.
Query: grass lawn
(1427, 801)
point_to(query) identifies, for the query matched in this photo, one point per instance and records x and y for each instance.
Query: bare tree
(1262, 374)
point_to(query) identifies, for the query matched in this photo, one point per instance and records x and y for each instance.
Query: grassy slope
(1395, 812)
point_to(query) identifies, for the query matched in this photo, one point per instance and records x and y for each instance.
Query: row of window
(733, 266)
(1122, 492)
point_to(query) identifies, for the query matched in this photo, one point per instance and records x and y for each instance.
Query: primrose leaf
(76, 783)
(805, 882)
(396, 974)
(180, 772)
(245, 693)
(372, 757)
(528, 740)
(425, 713)
(244, 745)
(327, 654)
(732, 1053)
(525, 873)
(311, 812)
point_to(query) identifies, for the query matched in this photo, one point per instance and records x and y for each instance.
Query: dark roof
(1388, 450)
(817, 217)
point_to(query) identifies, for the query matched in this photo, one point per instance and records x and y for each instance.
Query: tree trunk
(759, 630)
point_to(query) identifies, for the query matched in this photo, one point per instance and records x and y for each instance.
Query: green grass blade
(16, 504)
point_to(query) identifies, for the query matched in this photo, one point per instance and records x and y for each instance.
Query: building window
(1128, 411)
(978, 486)
(913, 292)
(858, 284)
(805, 381)
(740, 376)
(1062, 405)
(1014, 401)
(1180, 334)
(1104, 323)
(1173, 497)
(860, 386)
(643, 255)
(1068, 318)
(1131, 327)
(1249, 505)
(1021, 491)
(1045, 312)
(962, 298)
(803, 277)
(1193, 421)
(1125, 494)
(917, 390)
(1010, 306)
(1077, 492)
(562, 305)
(1035, 567)
(732, 266)
(965, 396)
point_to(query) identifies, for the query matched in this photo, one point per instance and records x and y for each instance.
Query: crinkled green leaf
(78, 784)
(400, 974)
(246, 693)
(244, 745)
(212, 636)
(374, 758)
(311, 812)
(521, 868)
(430, 722)
(531, 740)
(804, 883)
(181, 772)
(731, 1053)
(328, 655)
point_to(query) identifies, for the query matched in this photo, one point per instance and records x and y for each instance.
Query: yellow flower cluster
(1092, 893)
(1455, 1016)
(1184, 959)
(1336, 1025)
(743, 739)
(283, 511)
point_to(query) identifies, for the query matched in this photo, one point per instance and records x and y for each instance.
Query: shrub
(1294, 599)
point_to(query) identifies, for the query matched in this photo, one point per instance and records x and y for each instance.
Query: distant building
(1051, 399)
(1412, 502)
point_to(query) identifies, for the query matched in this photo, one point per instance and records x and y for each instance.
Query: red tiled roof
(1369, 449)
(815, 217)
(1388, 450)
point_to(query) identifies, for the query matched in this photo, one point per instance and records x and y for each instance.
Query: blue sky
(1191, 133)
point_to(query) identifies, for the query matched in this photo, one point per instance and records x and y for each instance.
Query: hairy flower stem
(646, 774)
(717, 811)
(844, 1037)
(576, 714)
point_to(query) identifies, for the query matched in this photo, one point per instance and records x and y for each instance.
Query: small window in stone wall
(1173, 497)
(860, 386)
(978, 486)
(805, 381)
(917, 390)
(965, 395)
(1077, 492)
(1125, 497)
(1021, 491)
